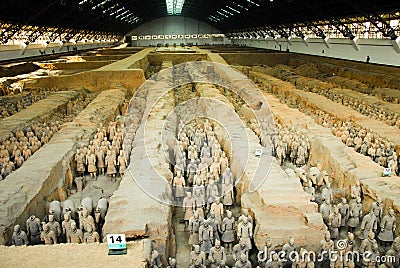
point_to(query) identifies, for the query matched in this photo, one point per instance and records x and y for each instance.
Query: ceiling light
(174, 7)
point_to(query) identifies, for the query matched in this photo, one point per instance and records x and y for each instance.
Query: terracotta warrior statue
(369, 245)
(369, 223)
(199, 197)
(75, 236)
(80, 162)
(91, 164)
(395, 251)
(223, 162)
(172, 263)
(217, 255)
(197, 257)
(19, 237)
(121, 163)
(111, 163)
(194, 225)
(212, 220)
(85, 220)
(245, 214)
(243, 262)
(100, 160)
(179, 184)
(228, 230)
(66, 224)
(356, 191)
(188, 208)
(355, 215)
(91, 236)
(388, 228)
(54, 226)
(274, 262)
(334, 223)
(191, 169)
(79, 181)
(211, 193)
(34, 228)
(266, 252)
(206, 237)
(218, 208)
(288, 248)
(227, 194)
(48, 236)
(326, 245)
(344, 210)
(245, 231)
(325, 209)
(240, 249)
(155, 259)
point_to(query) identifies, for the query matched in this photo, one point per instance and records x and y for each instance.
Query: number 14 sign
(116, 244)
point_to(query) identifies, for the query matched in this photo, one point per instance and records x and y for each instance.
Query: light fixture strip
(231, 8)
(239, 5)
(213, 18)
(101, 5)
(222, 14)
(83, 2)
(227, 12)
(117, 11)
(122, 14)
(251, 2)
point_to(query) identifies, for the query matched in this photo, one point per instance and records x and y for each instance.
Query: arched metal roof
(121, 16)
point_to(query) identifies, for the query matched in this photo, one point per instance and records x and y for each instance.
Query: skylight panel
(174, 7)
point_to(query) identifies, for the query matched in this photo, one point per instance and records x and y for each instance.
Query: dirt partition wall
(38, 111)
(375, 75)
(122, 51)
(26, 190)
(158, 58)
(362, 66)
(17, 69)
(137, 208)
(278, 204)
(81, 65)
(92, 80)
(100, 57)
(251, 59)
(76, 255)
(128, 72)
(344, 164)
(143, 64)
(312, 102)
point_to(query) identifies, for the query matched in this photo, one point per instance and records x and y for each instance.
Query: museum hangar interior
(183, 133)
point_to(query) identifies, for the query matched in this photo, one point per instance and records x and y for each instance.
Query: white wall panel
(10, 52)
(176, 25)
(381, 51)
(173, 25)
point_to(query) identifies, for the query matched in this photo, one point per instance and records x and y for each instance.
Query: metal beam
(9, 32)
(342, 27)
(383, 26)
